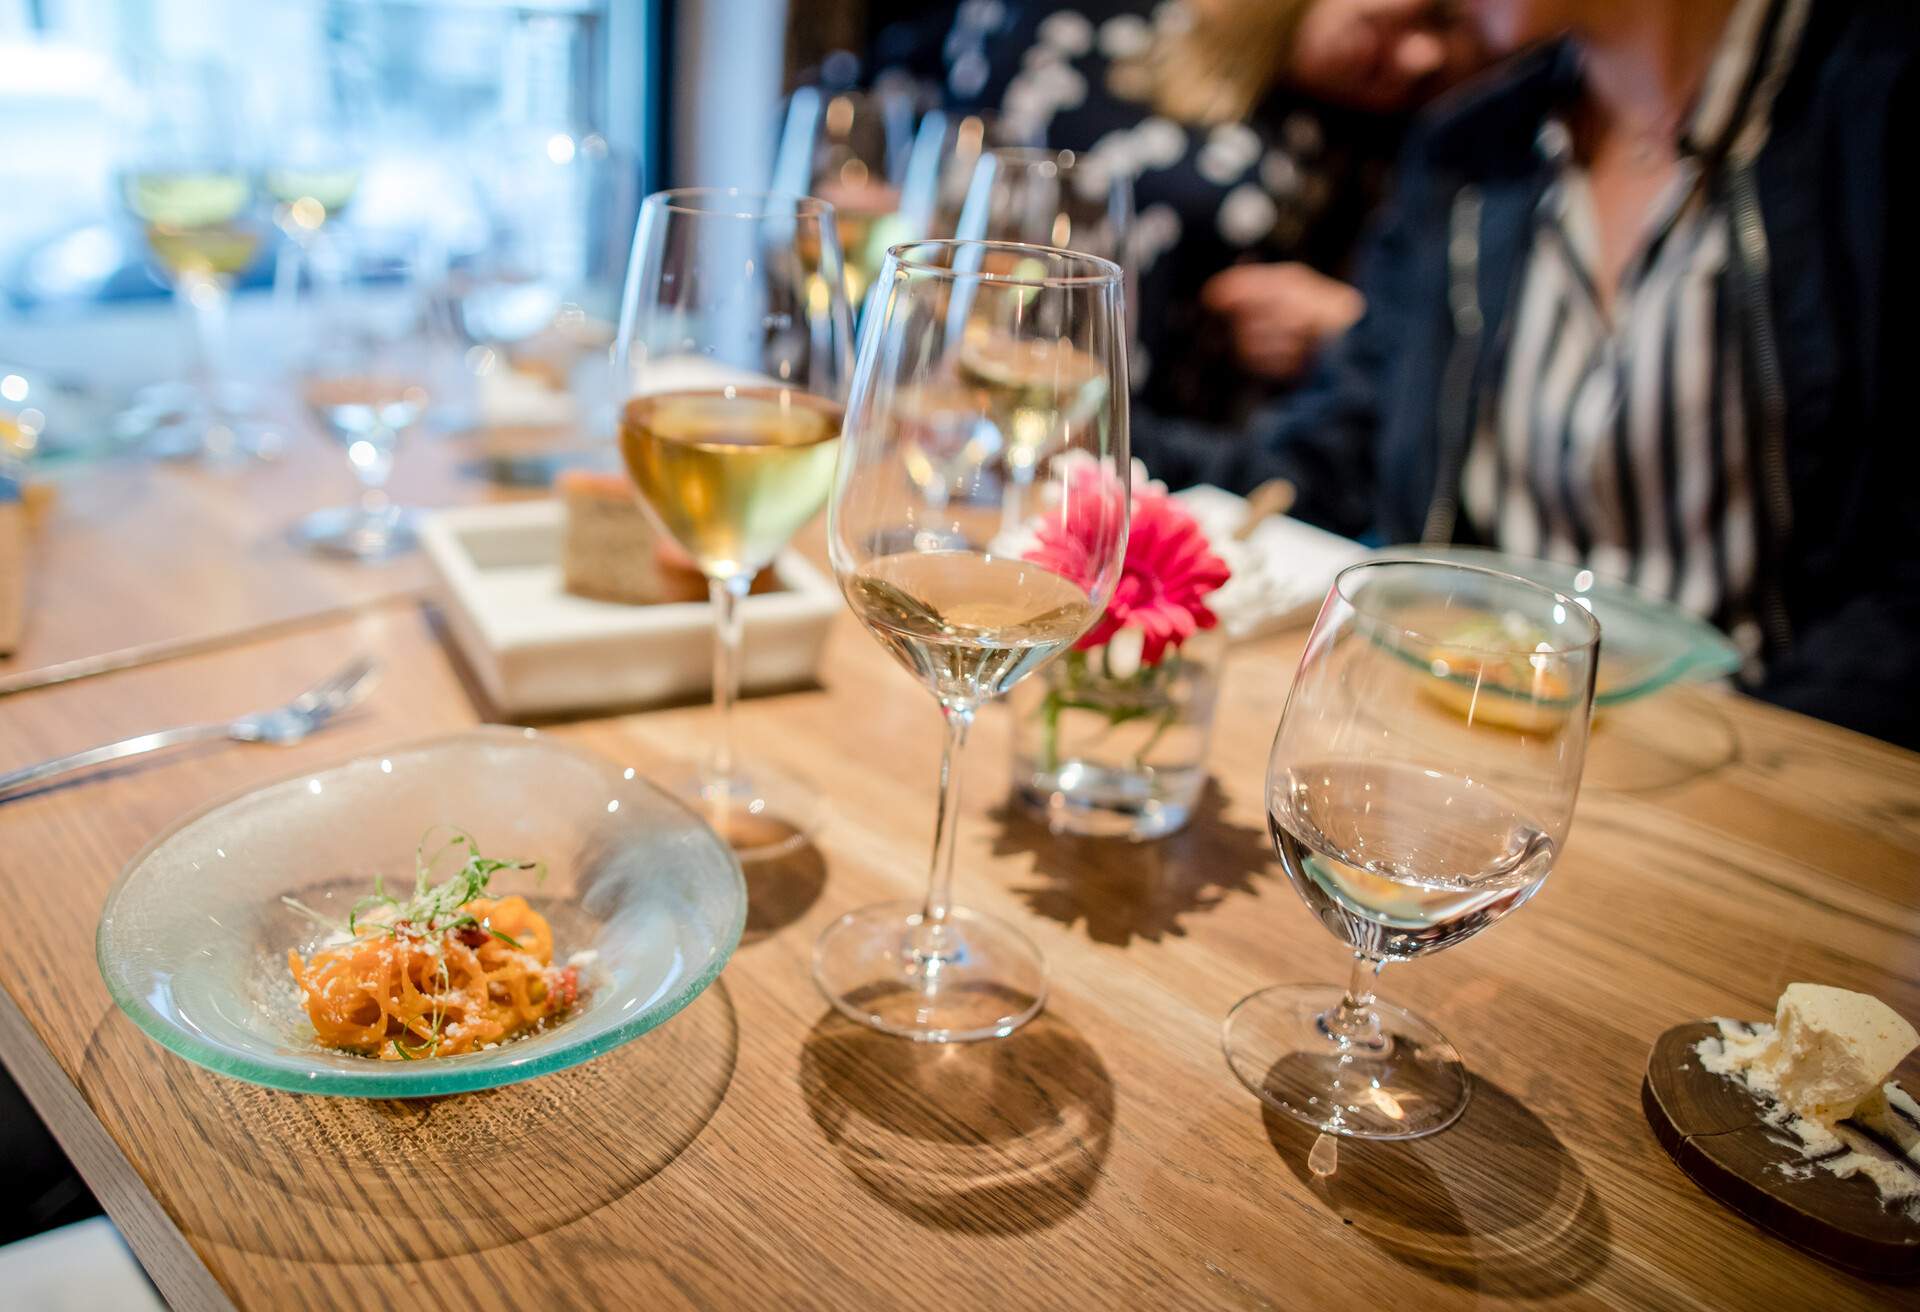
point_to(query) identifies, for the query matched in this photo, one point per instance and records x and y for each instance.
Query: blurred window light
(411, 99)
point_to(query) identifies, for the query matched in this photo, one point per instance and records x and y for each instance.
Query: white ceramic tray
(538, 649)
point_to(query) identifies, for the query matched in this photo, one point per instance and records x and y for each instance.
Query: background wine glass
(940, 582)
(313, 165)
(184, 179)
(385, 363)
(1046, 197)
(841, 146)
(946, 150)
(734, 350)
(1420, 788)
(1054, 198)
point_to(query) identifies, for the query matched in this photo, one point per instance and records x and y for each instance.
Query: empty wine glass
(734, 351)
(1420, 788)
(967, 603)
(368, 386)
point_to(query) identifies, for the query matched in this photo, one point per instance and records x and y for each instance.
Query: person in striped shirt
(1641, 301)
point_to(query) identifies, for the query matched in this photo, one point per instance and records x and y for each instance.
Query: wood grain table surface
(759, 1152)
(139, 558)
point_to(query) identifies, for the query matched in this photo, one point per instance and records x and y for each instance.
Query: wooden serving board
(1711, 1126)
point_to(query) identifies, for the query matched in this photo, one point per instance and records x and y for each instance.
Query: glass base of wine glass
(176, 421)
(759, 811)
(982, 979)
(1404, 1081)
(351, 533)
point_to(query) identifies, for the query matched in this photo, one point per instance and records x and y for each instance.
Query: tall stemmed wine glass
(184, 178)
(1420, 788)
(968, 604)
(1047, 198)
(839, 146)
(734, 352)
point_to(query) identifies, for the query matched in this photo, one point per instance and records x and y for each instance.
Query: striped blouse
(1621, 442)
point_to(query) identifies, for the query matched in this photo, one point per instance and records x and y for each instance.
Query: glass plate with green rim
(1646, 642)
(193, 941)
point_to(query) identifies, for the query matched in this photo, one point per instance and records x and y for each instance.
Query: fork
(281, 725)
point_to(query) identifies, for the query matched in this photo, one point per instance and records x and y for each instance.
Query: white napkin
(1281, 572)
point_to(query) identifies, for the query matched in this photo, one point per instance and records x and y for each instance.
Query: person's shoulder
(1858, 67)
(1489, 125)
(1852, 46)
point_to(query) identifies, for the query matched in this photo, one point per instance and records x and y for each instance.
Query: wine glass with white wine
(1037, 196)
(734, 351)
(966, 602)
(183, 177)
(1420, 788)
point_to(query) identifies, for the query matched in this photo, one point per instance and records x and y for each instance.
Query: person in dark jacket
(1641, 300)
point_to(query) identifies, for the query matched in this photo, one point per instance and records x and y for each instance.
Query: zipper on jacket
(1750, 239)
(1456, 384)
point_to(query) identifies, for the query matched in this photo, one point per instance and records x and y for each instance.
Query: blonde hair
(1216, 67)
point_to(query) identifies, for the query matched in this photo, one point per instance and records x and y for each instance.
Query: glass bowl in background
(1650, 641)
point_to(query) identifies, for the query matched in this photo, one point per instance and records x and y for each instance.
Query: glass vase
(1105, 746)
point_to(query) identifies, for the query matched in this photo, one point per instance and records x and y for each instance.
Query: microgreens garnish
(432, 908)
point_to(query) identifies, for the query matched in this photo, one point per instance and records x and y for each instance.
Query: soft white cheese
(1828, 1051)
(1823, 1062)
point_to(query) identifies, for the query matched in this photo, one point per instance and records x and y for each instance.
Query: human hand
(1279, 315)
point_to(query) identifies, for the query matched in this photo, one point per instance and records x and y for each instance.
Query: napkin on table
(1281, 570)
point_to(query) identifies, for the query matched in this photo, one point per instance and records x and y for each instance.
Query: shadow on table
(429, 1177)
(780, 889)
(1495, 1203)
(984, 1138)
(1121, 890)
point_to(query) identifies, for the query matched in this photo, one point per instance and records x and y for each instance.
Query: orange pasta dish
(445, 971)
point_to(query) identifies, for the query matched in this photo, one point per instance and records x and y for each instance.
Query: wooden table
(760, 1152)
(141, 559)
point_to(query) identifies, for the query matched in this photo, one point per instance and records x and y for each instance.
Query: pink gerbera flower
(1169, 572)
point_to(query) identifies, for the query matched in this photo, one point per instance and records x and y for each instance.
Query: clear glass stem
(933, 917)
(1354, 1022)
(320, 258)
(1013, 497)
(206, 298)
(726, 594)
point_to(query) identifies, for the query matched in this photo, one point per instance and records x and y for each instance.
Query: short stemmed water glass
(1420, 788)
(968, 604)
(368, 385)
(734, 352)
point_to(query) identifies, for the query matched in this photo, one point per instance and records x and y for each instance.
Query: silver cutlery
(281, 725)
